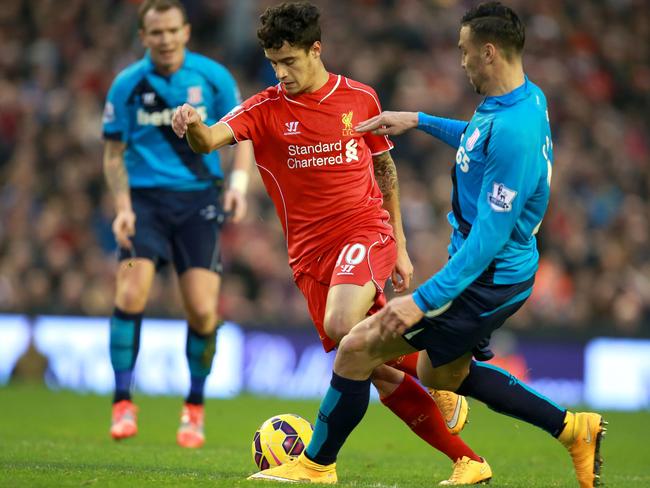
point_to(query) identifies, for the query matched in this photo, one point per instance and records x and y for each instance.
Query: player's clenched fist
(184, 116)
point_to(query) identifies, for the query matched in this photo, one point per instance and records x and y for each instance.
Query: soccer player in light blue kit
(167, 201)
(501, 184)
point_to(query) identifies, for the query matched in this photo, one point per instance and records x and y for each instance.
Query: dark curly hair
(496, 23)
(296, 23)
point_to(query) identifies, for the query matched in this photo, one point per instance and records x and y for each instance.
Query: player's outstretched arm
(201, 138)
(389, 123)
(448, 131)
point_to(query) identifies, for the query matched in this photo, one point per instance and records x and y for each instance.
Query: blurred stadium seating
(57, 253)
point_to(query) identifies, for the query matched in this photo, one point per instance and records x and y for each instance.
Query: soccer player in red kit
(335, 192)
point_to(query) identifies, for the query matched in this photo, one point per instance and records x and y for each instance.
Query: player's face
(165, 34)
(296, 68)
(471, 59)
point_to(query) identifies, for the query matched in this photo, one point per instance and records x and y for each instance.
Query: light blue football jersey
(139, 109)
(501, 186)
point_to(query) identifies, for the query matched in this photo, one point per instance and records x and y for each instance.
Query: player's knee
(203, 319)
(130, 298)
(337, 326)
(203, 329)
(353, 344)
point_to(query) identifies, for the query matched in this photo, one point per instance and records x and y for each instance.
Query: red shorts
(357, 260)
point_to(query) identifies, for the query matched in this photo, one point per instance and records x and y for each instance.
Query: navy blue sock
(124, 347)
(342, 408)
(200, 350)
(197, 390)
(123, 381)
(505, 394)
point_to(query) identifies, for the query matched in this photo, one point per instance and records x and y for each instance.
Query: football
(278, 438)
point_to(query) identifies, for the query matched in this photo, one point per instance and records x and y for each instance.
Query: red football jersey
(315, 167)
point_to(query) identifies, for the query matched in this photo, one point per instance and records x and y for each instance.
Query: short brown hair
(296, 23)
(160, 6)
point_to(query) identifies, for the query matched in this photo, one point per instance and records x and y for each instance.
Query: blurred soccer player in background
(501, 185)
(167, 201)
(335, 192)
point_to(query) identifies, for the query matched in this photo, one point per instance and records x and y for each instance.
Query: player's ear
(316, 49)
(187, 31)
(489, 52)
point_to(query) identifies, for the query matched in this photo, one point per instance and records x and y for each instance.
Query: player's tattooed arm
(115, 173)
(386, 176)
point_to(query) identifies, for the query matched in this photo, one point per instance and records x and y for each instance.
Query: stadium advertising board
(605, 374)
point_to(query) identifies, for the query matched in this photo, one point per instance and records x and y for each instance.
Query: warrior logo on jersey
(194, 95)
(501, 197)
(347, 123)
(292, 128)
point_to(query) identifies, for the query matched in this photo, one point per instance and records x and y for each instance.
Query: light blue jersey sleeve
(228, 96)
(115, 119)
(447, 130)
(508, 180)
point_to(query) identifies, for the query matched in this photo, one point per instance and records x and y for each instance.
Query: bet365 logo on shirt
(164, 117)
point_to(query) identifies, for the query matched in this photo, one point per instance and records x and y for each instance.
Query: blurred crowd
(591, 57)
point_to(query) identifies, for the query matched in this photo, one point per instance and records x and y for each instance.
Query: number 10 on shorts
(350, 256)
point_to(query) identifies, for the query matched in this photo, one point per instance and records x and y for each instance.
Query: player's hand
(402, 272)
(124, 228)
(389, 123)
(184, 116)
(234, 201)
(397, 316)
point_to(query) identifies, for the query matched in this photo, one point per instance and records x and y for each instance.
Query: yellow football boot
(299, 470)
(582, 435)
(469, 472)
(454, 409)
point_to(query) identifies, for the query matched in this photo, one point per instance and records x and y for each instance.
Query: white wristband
(239, 181)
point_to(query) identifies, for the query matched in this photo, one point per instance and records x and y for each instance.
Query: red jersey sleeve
(376, 144)
(245, 119)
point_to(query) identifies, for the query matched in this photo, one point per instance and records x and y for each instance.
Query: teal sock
(124, 347)
(200, 350)
(342, 408)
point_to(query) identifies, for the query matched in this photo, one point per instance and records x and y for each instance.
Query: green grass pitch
(53, 439)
